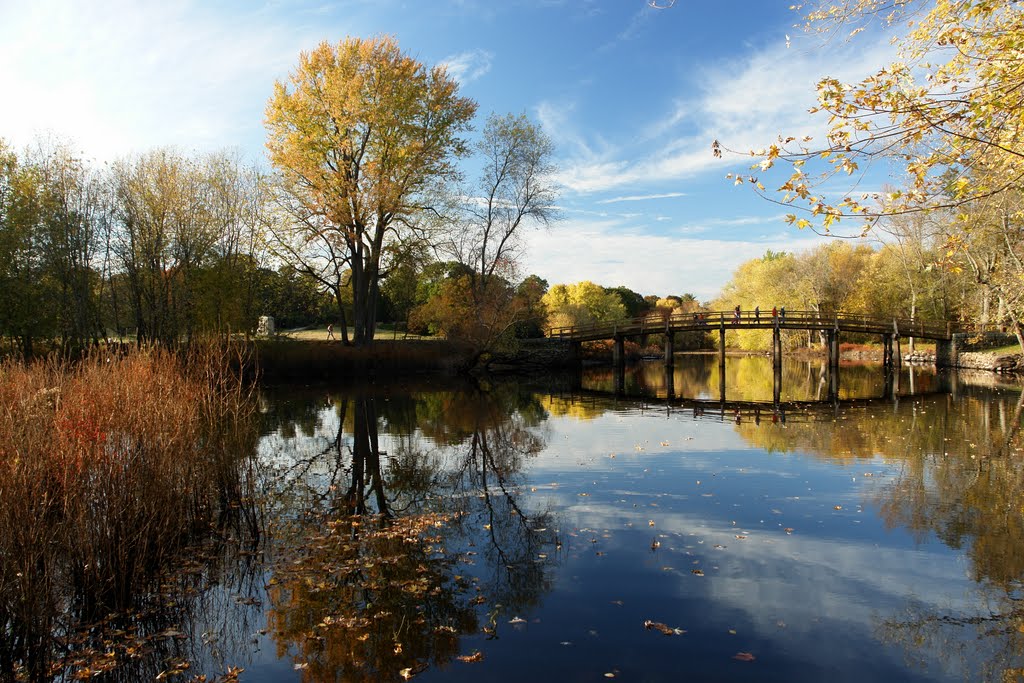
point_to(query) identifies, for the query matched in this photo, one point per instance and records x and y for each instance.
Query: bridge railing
(852, 322)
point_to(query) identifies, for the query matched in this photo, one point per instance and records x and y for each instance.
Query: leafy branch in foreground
(950, 112)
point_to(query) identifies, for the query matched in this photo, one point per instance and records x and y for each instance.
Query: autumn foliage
(109, 468)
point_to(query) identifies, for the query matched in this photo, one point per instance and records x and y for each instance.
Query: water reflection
(752, 378)
(504, 532)
(393, 545)
(497, 497)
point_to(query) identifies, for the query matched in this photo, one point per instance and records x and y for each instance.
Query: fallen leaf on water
(697, 572)
(660, 627)
(788, 529)
(517, 620)
(837, 507)
(477, 656)
(740, 536)
(744, 656)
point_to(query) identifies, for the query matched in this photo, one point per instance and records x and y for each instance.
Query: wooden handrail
(655, 323)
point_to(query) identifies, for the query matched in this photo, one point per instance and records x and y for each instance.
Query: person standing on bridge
(757, 314)
(782, 314)
(775, 312)
(736, 314)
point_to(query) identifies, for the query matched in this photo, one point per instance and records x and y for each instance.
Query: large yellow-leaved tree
(362, 136)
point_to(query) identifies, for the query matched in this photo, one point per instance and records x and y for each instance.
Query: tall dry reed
(109, 468)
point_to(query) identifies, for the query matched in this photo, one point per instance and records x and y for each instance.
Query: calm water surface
(535, 530)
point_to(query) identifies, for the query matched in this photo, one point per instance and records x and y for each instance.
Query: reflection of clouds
(833, 580)
(620, 433)
(786, 592)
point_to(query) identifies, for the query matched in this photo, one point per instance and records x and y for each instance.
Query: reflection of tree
(514, 539)
(968, 492)
(375, 551)
(959, 478)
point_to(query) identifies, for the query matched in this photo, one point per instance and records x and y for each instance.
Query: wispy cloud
(642, 197)
(744, 102)
(123, 76)
(621, 251)
(466, 67)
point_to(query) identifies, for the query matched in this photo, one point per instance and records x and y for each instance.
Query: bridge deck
(748, 320)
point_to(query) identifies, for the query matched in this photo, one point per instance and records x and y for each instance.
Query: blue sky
(632, 97)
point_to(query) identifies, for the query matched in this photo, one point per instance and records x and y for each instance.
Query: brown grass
(109, 468)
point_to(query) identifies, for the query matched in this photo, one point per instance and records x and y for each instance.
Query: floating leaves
(743, 657)
(664, 629)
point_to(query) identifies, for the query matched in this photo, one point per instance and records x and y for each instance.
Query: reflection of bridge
(890, 329)
(743, 411)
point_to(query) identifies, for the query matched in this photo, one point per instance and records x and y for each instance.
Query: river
(557, 530)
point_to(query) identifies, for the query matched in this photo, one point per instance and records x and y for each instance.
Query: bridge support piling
(670, 382)
(670, 348)
(887, 351)
(620, 379)
(721, 344)
(776, 347)
(619, 351)
(897, 356)
(833, 350)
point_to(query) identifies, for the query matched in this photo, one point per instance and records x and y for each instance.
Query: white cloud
(614, 251)
(744, 103)
(123, 76)
(466, 67)
(642, 197)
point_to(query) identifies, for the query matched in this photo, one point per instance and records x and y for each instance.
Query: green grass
(319, 333)
(1000, 350)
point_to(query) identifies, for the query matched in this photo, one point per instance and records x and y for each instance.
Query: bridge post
(620, 379)
(721, 342)
(898, 355)
(670, 382)
(833, 350)
(670, 348)
(887, 351)
(619, 351)
(776, 345)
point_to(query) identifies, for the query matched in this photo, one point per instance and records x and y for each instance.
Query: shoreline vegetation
(111, 470)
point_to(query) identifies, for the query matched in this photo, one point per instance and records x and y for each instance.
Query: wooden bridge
(832, 326)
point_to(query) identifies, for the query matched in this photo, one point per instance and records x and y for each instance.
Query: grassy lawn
(320, 333)
(1002, 350)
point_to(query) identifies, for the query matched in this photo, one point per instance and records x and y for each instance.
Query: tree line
(366, 214)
